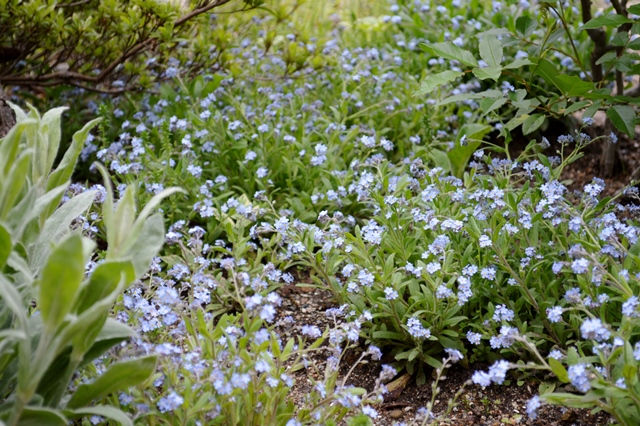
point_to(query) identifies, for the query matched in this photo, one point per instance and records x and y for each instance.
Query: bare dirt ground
(492, 406)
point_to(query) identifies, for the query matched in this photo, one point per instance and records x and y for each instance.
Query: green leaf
(491, 50)
(42, 416)
(13, 301)
(441, 159)
(51, 122)
(488, 73)
(9, 145)
(590, 111)
(492, 93)
(525, 26)
(5, 246)
(532, 123)
(449, 50)
(613, 20)
(103, 281)
(60, 280)
(635, 9)
(101, 410)
(120, 376)
(359, 420)
(549, 72)
(114, 330)
(624, 118)
(490, 104)
(459, 156)
(572, 85)
(56, 226)
(576, 107)
(62, 173)
(12, 188)
(559, 370)
(149, 241)
(435, 80)
(518, 63)
(123, 219)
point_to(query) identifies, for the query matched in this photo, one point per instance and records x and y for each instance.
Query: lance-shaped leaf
(56, 226)
(433, 81)
(5, 246)
(613, 20)
(60, 280)
(62, 173)
(101, 410)
(119, 377)
(624, 118)
(449, 50)
(42, 416)
(491, 50)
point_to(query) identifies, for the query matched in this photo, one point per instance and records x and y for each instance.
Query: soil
(491, 406)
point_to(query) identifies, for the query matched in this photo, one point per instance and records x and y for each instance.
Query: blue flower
(579, 377)
(532, 407)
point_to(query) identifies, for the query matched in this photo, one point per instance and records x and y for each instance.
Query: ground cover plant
(397, 156)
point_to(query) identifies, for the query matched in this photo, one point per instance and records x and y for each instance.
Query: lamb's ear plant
(55, 318)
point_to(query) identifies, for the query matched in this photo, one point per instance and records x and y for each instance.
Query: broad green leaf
(101, 410)
(459, 156)
(103, 281)
(449, 50)
(60, 280)
(549, 72)
(624, 118)
(572, 85)
(9, 145)
(441, 159)
(576, 107)
(518, 63)
(635, 9)
(63, 172)
(56, 226)
(5, 246)
(491, 50)
(42, 416)
(532, 123)
(11, 298)
(488, 73)
(515, 121)
(559, 370)
(77, 326)
(13, 186)
(148, 243)
(525, 26)
(590, 111)
(359, 420)
(613, 20)
(435, 80)
(492, 93)
(20, 115)
(153, 203)
(123, 218)
(112, 333)
(490, 104)
(119, 376)
(51, 121)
